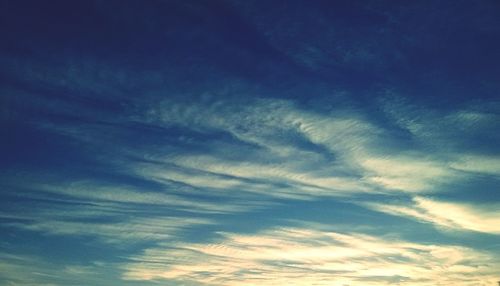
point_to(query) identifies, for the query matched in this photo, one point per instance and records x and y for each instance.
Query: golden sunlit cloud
(482, 218)
(300, 256)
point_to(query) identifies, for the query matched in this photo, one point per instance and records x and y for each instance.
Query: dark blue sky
(249, 142)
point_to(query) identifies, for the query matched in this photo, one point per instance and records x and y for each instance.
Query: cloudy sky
(200, 143)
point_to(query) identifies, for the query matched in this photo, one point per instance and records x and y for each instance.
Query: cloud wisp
(450, 215)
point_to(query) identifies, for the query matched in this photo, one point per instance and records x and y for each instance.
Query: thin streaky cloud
(303, 256)
(483, 217)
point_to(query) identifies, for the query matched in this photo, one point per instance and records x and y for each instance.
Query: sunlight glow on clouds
(277, 165)
(461, 216)
(301, 256)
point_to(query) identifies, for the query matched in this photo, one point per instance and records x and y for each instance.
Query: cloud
(256, 144)
(449, 131)
(124, 231)
(478, 164)
(124, 195)
(108, 213)
(288, 153)
(451, 215)
(32, 270)
(358, 160)
(268, 179)
(293, 154)
(248, 120)
(408, 173)
(103, 223)
(305, 256)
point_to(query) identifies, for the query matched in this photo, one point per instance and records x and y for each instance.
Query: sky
(214, 142)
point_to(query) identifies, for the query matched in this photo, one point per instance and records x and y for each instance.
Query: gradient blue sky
(249, 143)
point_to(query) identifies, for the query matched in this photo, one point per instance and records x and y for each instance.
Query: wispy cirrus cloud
(31, 270)
(266, 178)
(412, 172)
(447, 131)
(451, 215)
(183, 148)
(336, 151)
(358, 159)
(121, 232)
(480, 164)
(310, 256)
(290, 153)
(169, 196)
(113, 214)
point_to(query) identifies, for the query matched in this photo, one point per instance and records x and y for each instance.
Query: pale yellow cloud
(472, 217)
(301, 256)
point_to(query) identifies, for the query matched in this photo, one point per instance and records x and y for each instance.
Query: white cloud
(125, 195)
(30, 270)
(272, 124)
(472, 217)
(443, 130)
(407, 173)
(112, 214)
(302, 181)
(478, 164)
(301, 256)
(124, 231)
(286, 134)
(360, 165)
